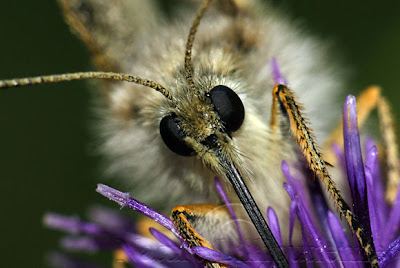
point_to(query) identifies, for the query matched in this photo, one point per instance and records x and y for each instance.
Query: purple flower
(109, 230)
(325, 240)
(331, 245)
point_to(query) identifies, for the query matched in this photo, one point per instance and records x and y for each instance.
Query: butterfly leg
(288, 107)
(390, 148)
(195, 222)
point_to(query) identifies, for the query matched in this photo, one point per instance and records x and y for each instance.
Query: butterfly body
(230, 50)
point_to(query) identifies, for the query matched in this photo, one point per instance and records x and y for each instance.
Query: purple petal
(320, 208)
(216, 256)
(274, 225)
(126, 201)
(372, 162)
(296, 184)
(293, 262)
(163, 239)
(173, 246)
(340, 156)
(276, 73)
(388, 255)
(258, 258)
(346, 253)
(306, 248)
(298, 193)
(354, 162)
(162, 253)
(70, 225)
(392, 226)
(60, 260)
(394, 220)
(111, 219)
(318, 243)
(147, 244)
(140, 260)
(88, 244)
(375, 220)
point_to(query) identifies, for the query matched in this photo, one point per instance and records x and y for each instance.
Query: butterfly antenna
(189, 45)
(56, 78)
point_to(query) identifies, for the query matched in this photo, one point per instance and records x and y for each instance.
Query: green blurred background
(46, 163)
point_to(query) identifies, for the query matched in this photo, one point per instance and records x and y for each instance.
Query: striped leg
(304, 138)
(208, 219)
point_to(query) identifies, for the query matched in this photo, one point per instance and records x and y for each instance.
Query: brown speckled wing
(111, 29)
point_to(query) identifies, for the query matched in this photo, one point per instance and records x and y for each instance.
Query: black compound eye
(173, 136)
(229, 107)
